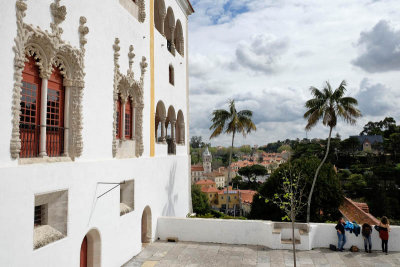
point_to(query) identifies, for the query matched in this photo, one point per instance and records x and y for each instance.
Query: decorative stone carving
(127, 87)
(142, 11)
(50, 51)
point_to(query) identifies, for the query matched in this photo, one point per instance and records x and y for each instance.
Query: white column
(43, 117)
(123, 120)
(173, 131)
(133, 122)
(163, 132)
(66, 120)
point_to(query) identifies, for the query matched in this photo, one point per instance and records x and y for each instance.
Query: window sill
(124, 209)
(44, 235)
(46, 159)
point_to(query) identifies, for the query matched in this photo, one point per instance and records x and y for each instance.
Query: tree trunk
(316, 175)
(293, 239)
(229, 173)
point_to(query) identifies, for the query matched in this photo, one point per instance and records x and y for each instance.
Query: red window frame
(118, 134)
(55, 114)
(30, 110)
(128, 119)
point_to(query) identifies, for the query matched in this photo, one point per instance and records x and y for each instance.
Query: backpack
(332, 247)
(354, 249)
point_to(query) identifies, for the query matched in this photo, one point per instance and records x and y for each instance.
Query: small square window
(50, 218)
(127, 191)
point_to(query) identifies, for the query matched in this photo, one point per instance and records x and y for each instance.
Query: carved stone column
(139, 130)
(163, 15)
(181, 133)
(43, 116)
(162, 139)
(66, 120)
(173, 123)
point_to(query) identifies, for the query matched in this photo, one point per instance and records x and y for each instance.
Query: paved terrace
(209, 254)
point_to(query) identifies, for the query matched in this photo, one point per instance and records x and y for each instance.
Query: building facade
(94, 136)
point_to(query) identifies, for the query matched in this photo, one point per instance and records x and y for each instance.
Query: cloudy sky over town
(266, 54)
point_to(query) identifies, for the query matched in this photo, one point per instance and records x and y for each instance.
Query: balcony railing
(30, 140)
(54, 141)
(29, 134)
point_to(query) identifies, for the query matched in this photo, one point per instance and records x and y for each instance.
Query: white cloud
(280, 49)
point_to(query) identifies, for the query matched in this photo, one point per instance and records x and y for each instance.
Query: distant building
(368, 143)
(197, 172)
(217, 177)
(207, 160)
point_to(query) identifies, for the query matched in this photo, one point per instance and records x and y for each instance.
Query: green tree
(199, 201)
(328, 105)
(231, 121)
(284, 148)
(251, 172)
(325, 202)
(290, 201)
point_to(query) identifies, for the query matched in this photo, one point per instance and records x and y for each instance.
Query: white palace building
(94, 128)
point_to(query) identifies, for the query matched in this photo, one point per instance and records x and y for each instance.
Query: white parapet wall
(263, 233)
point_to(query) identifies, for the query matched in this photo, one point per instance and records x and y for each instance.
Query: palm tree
(231, 122)
(329, 105)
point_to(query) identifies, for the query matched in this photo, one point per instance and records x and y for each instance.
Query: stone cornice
(186, 7)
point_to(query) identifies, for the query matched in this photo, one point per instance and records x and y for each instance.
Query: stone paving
(208, 254)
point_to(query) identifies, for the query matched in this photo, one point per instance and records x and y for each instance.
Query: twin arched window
(42, 113)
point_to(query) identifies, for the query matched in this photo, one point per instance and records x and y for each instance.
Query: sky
(265, 54)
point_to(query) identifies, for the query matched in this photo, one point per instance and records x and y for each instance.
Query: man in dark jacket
(366, 233)
(341, 234)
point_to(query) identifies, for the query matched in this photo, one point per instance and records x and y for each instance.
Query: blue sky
(266, 54)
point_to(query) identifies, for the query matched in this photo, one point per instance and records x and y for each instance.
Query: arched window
(30, 110)
(171, 75)
(119, 118)
(128, 119)
(169, 27)
(55, 115)
(178, 39)
(159, 15)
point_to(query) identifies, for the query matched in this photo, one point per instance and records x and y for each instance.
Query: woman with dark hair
(341, 235)
(384, 229)
(366, 233)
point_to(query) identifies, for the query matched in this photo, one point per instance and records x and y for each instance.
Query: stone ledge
(24, 161)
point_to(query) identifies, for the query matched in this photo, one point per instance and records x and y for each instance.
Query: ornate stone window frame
(50, 50)
(138, 12)
(127, 87)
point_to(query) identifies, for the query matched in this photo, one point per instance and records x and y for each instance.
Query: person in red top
(384, 229)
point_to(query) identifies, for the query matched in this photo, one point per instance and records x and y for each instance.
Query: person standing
(341, 234)
(384, 229)
(366, 233)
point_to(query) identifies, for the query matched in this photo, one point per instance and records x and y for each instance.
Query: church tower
(207, 159)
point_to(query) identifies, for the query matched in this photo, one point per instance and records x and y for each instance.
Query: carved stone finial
(143, 65)
(21, 6)
(58, 12)
(131, 55)
(83, 30)
(116, 48)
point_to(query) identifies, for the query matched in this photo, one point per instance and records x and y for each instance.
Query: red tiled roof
(355, 211)
(205, 182)
(197, 168)
(214, 174)
(209, 190)
(247, 196)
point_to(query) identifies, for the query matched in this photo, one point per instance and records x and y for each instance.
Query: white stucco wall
(161, 182)
(249, 232)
